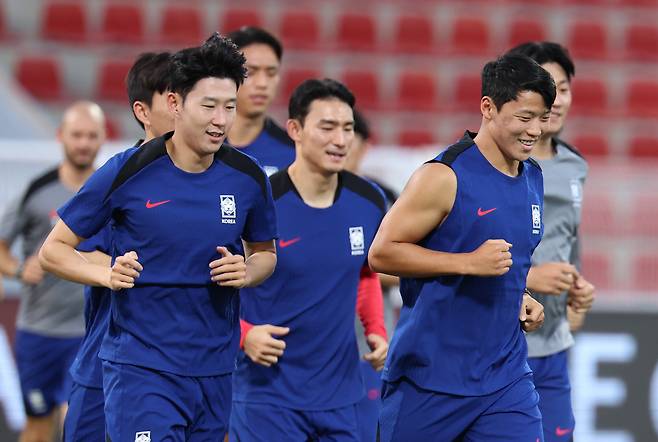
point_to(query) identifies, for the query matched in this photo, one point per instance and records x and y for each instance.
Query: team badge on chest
(357, 243)
(228, 208)
(143, 436)
(536, 219)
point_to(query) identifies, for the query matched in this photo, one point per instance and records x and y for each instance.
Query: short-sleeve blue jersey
(175, 319)
(273, 149)
(313, 291)
(461, 334)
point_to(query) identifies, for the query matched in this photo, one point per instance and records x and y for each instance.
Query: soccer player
(50, 323)
(461, 236)
(180, 205)
(254, 132)
(554, 277)
(306, 382)
(147, 84)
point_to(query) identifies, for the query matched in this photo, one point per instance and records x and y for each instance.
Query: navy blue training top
(273, 149)
(461, 334)
(313, 291)
(174, 319)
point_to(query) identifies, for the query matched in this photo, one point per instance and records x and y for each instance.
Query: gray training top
(564, 177)
(54, 307)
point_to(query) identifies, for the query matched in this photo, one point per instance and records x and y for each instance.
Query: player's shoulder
(45, 179)
(243, 163)
(364, 188)
(278, 133)
(130, 162)
(453, 152)
(534, 165)
(281, 183)
(569, 150)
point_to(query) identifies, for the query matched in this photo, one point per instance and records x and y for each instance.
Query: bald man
(50, 325)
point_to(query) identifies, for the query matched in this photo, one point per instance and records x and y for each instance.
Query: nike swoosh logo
(485, 212)
(559, 432)
(150, 205)
(283, 244)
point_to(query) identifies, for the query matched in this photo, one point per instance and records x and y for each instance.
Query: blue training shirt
(461, 334)
(175, 319)
(273, 149)
(313, 291)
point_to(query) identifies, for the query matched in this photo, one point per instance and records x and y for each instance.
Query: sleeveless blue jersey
(313, 291)
(461, 334)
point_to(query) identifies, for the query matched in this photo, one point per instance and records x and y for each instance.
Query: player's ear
(141, 112)
(487, 107)
(294, 128)
(174, 101)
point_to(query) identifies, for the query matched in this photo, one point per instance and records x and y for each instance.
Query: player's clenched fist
(230, 270)
(262, 347)
(125, 271)
(492, 258)
(531, 314)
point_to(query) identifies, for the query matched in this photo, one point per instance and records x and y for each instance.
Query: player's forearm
(8, 263)
(65, 262)
(260, 265)
(97, 257)
(413, 261)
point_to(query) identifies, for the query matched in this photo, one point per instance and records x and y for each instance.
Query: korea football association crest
(536, 219)
(228, 208)
(143, 436)
(357, 243)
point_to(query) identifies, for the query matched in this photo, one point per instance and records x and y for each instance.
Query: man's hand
(379, 347)
(552, 278)
(576, 320)
(492, 258)
(581, 295)
(32, 273)
(230, 270)
(261, 346)
(531, 314)
(125, 270)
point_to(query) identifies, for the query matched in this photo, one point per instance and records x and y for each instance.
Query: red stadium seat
(598, 216)
(293, 78)
(111, 83)
(642, 42)
(365, 86)
(644, 148)
(597, 269)
(642, 98)
(470, 36)
(181, 25)
(233, 19)
(592, 145)
(299, 29)
(647, 3)
(356, 32)
(588, 39)
(590, 96)
(414, 34)
(65, 21)
(112, 129)
(645, 272)
(468, 91)
(523, 30)
(643, 214)
(41, 77)
(415, 138)
(417, 91)
(123, 23)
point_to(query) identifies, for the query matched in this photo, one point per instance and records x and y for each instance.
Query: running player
(180, 205)
(307, 385)
(50, 323)
(554, 277)
(254, 132)
(457, 367)
(147, 83)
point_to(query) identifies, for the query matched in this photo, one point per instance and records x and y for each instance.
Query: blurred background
(414, 67)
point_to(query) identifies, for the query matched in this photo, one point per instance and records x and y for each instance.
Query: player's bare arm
(531, 314)
(236, 271)
(552, 278)
(425, 202)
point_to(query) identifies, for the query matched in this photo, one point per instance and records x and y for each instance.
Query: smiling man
(181, 204)
(461, 236)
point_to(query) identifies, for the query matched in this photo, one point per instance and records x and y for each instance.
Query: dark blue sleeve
(100, 241)
(261, 221)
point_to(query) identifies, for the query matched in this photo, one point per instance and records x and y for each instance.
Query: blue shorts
(43, 364)
(251, 422)
(410, 413)
(148, 405)
(368, 408)
(551, 379)
(85, 418)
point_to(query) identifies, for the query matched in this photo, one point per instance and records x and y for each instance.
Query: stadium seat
(590, 96)
(111, 83)
(233, 19)
(65, 21)
(643, 214)
(591, 145)
(644, 148)
(415, 138)
(414, 34)
(356, 32)
(588, 39)
(643, 3)
(598, 215)
(365, 86)
(299, 30)
(642, 98)
(645, 272)
(597, 269)
(293, 78)
(181, 25)
(123, 23)
(112, 129)
(470, 36)
(523, 30)
(642, 42)
(41, 77)
(468, 91)
(416, 91)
